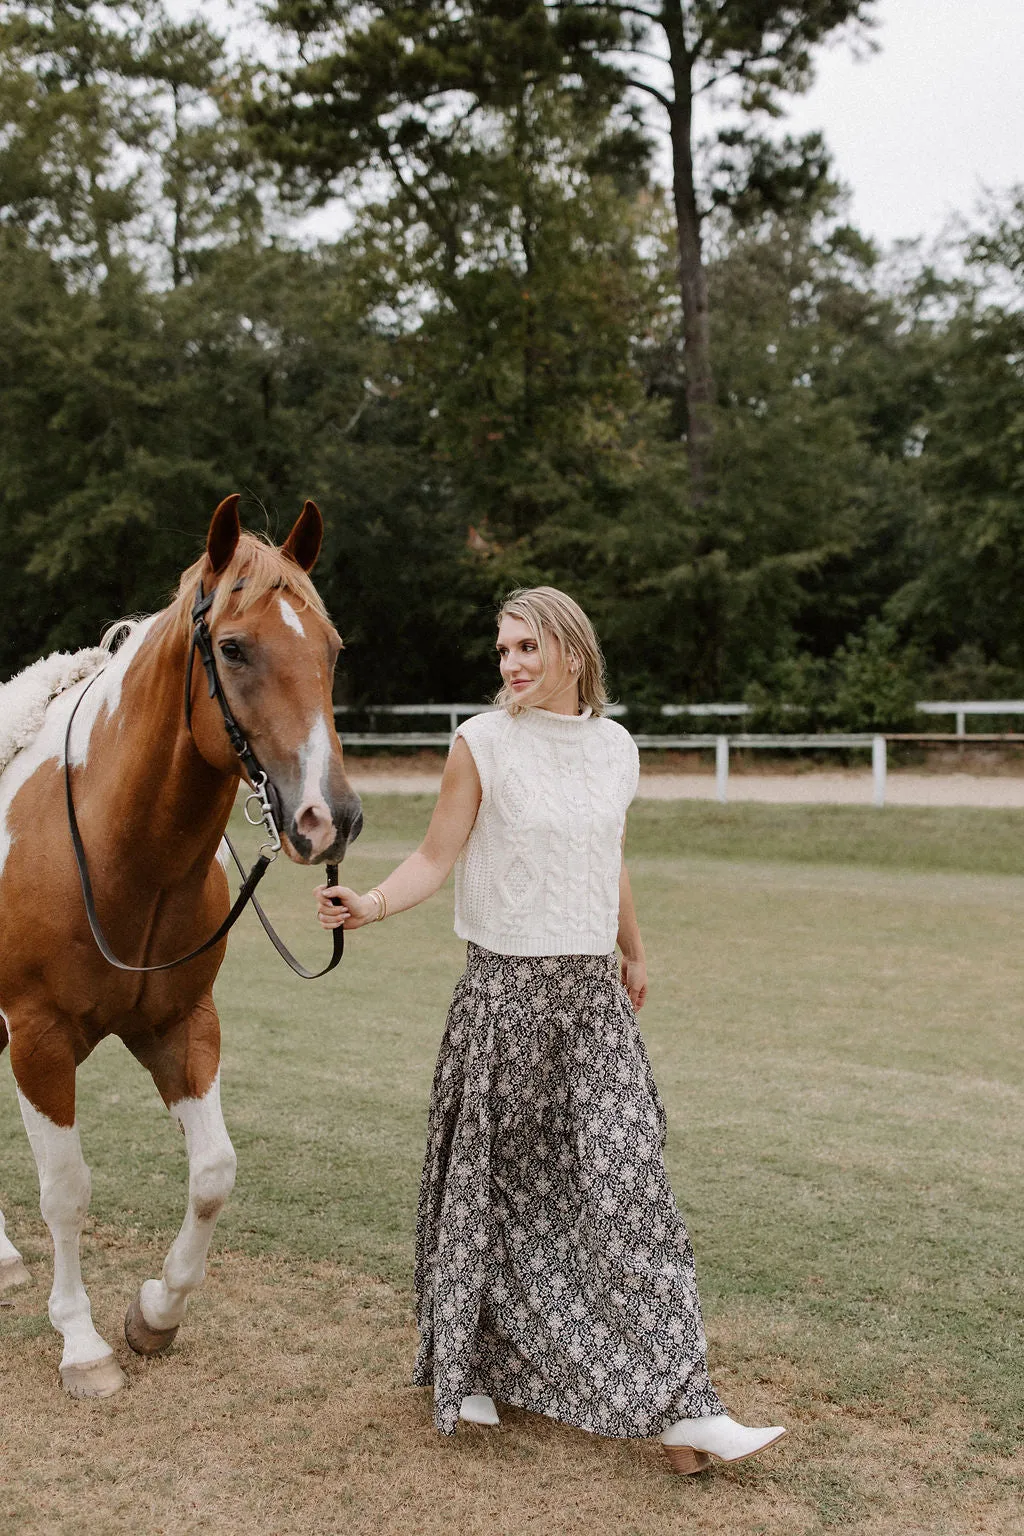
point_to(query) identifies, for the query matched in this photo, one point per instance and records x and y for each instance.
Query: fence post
(722, 769)
(878, 770)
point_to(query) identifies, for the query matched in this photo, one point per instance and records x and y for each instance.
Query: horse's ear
(222, 539)
(303, 543)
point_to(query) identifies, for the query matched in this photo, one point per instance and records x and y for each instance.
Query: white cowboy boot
(479, 1409)
(689, 1444)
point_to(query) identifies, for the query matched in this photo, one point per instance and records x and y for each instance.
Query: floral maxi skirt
(553, 1270)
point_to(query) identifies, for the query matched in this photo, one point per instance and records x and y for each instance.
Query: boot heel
(685, 1460)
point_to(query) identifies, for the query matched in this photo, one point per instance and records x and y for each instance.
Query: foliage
(400, 90)
(970, 538)
(870, 683)
(483, 379)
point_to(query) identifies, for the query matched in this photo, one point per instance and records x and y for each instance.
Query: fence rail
(722, 744)
(966, 707)
(454, 713)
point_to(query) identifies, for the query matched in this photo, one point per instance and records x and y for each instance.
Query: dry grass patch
(285, 1408)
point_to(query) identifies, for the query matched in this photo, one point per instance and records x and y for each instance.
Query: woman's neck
(565, 701)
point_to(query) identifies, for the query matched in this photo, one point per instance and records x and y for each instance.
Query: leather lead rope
(202, 641)
(338, 934)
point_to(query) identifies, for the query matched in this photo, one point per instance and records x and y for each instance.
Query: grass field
(835, 1024)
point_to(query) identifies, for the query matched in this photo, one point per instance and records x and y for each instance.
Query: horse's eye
(232, 651)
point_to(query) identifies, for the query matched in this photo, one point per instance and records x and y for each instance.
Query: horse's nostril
(355, 826)
(311, 819)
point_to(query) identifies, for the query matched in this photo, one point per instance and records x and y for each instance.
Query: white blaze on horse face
(290, 617)
(315, 758)
(211, 1178)
(313, 818)
(64, 1189)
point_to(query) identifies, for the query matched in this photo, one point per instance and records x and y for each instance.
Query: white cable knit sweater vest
(539, 874)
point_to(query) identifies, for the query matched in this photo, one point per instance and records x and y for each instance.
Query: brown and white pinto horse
(153, 799)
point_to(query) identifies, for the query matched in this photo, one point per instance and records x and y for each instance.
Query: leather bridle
(267, 813)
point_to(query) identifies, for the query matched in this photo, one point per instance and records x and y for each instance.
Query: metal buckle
(263, 817)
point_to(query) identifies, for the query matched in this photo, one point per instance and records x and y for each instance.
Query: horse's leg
(12, 1270)
(47, 1073)
(187, 1062)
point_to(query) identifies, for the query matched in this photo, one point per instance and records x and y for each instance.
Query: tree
(383, 84)
(120, 136)
(73, 125)
(762, 49)
(969, 536)
(204, 185)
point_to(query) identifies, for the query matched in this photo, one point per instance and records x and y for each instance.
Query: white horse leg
(12, 1270)
(87, 1367)
(155, 1317)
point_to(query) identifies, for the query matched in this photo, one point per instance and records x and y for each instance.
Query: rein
(265, 815)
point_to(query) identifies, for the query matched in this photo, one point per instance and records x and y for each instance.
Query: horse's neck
(169, 805)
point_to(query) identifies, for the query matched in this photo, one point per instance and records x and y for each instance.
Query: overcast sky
(917, 129)
(920, 128)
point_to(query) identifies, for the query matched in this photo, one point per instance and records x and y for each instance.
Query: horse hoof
(12, 1273)
(144, 1339)
(99, 1378)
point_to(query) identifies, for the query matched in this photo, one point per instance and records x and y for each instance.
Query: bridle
(264, 813)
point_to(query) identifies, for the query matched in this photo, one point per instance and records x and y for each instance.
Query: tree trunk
(693, 284)
(178, 202)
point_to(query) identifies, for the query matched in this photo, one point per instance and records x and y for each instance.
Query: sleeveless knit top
(539, 874)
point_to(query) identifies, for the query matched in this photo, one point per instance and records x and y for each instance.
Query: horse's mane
(263, 569)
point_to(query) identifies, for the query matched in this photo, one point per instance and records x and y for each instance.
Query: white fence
(972, 707)
(722, 744)
(454, 713)
(959, 708)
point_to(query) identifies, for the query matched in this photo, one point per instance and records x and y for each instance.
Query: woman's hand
(634, 979)
(354, 911)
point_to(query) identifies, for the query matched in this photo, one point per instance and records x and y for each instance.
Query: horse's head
(275, 651)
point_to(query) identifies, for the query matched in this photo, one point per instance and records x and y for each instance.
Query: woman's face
(519, 659)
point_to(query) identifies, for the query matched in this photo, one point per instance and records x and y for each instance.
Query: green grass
(900, 837)
(835, 1025)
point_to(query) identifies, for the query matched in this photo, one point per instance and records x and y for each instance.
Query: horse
(150, 776)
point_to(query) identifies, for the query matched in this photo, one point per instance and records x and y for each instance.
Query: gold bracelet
(382, 904)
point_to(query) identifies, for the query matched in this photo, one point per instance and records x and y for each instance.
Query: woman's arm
(634, 961)
(426, 870)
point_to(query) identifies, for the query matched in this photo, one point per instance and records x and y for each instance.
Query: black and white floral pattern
(553, 1269)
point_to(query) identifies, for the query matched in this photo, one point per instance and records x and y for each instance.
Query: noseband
(263, 814)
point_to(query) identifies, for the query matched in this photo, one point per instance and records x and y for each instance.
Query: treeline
(490, 378)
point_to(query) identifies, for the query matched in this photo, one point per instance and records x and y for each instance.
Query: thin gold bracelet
(382, 904)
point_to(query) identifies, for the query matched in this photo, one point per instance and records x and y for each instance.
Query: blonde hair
(554, 615)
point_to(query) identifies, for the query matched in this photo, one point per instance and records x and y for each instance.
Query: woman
(553, 1270)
